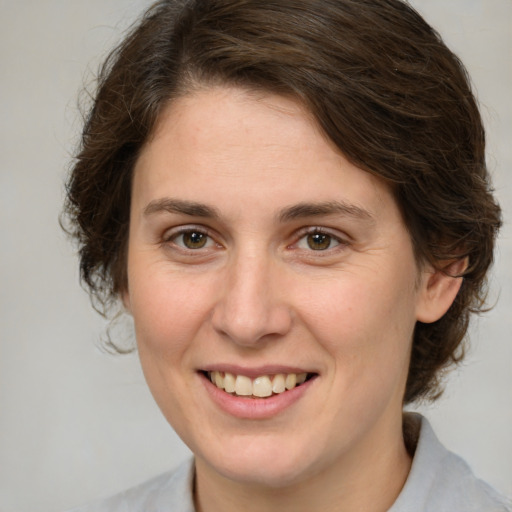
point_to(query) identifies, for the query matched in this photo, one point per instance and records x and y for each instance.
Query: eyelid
(186, 228)
(342, 239)
(172, 233)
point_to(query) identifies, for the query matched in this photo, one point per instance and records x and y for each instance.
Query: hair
(378, 80)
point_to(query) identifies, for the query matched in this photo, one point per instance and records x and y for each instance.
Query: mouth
(263, 386)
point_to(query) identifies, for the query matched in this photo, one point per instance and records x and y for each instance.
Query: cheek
(168, 309)
(168, 314)
(365, 325)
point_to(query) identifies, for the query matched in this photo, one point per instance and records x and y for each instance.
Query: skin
(257, 294)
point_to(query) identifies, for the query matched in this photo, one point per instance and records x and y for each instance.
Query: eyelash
(300, 236)
(340, 242)
(172, 237)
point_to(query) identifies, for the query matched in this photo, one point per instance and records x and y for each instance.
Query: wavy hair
(380, 83)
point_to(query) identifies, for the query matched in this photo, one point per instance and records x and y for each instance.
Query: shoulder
(454, 483)
(441, 481)
(172, 490)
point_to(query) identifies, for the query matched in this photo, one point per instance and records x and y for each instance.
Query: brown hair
(379, 81)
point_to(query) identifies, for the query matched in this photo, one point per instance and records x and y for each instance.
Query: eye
(192, 239)
(318, 241)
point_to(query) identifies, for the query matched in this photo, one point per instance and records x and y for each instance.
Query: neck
(346, 485)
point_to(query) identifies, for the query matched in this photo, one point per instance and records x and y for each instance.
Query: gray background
(75, 423)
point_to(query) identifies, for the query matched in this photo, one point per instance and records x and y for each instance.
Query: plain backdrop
(77, 424)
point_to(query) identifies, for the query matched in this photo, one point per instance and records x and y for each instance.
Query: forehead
(246, 120)
(228, 144)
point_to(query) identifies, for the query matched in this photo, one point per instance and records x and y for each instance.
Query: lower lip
(255, 408)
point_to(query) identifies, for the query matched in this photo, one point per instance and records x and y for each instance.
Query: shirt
(439, 481)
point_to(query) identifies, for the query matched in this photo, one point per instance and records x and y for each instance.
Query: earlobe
(439, 289)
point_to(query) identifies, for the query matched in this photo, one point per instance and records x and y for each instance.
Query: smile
(263, 386)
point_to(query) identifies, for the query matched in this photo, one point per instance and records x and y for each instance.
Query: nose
(252, 305)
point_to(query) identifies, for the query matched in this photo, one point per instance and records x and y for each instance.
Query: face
(259, 257)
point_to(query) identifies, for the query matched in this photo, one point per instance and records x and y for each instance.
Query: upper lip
(254, 371)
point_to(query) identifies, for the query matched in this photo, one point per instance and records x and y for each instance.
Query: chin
(268, 466)
(272, 475)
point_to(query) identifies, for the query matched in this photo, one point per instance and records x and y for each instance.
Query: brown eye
(192, 239)
(319, 241)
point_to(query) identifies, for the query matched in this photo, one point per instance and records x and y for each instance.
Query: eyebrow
(294, 212)
(303, 210)
(180, 206)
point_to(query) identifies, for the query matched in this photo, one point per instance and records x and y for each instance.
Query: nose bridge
(250, 306)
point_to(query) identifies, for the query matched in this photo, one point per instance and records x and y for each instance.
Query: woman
(291, 200)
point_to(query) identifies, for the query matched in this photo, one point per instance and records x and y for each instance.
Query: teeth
(243, 386)
(278, 384)
(301, 378)
(229, 382)
(291, 381)
(219, 380)
(261, 387)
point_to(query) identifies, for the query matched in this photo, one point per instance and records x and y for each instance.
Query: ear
(438, 290)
